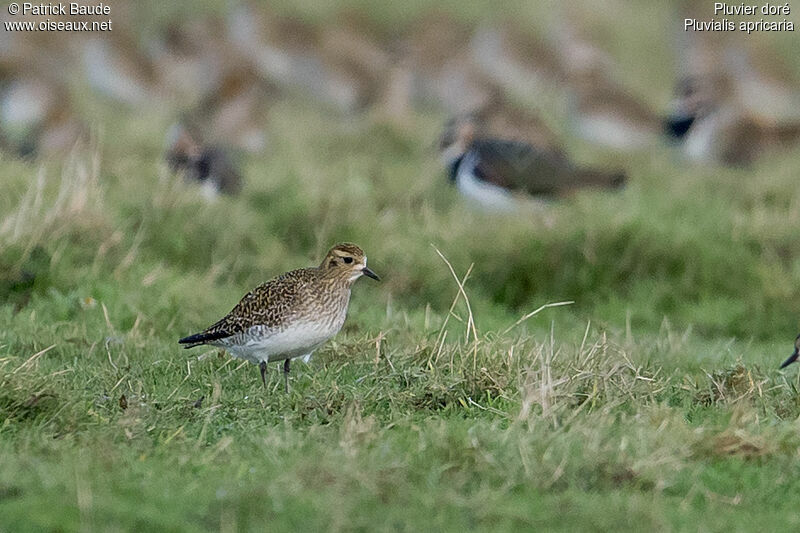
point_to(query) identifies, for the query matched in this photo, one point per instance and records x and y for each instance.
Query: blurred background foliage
(701, 245)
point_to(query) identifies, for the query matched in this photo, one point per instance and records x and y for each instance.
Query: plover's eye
(347, 260)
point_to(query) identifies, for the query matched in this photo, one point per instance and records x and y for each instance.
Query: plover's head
(792, 358)
(458, 134)
(695, 98)
(183, 148)
(346, 261)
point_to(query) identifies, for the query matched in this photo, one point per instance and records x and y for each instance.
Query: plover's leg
(286, 374)
(263, 367)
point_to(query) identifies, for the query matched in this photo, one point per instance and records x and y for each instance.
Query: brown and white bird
(516, 60)
(291, 315)
(119, 70)
(769, 89)
(605, 112)
(37, 117)
(602, 107)
(435, 68)
(292, 54)
(198, 161)
(493, 172)
(714, 128)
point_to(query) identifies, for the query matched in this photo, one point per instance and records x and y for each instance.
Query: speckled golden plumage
(291, 315)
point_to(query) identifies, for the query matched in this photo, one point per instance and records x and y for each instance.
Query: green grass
(651, 403)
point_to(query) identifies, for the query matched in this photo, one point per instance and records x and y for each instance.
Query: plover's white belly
(490, 52)
(486, 195)
(699, 144)
(613, 131)
(260, 343)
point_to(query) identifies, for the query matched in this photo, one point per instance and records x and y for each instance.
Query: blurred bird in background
(37, 119)
(293, 54)
(601, 108)
(515, 60)
(222, 71)
(713, 127)
(37, 112)
(203, 163)
(733, 103)
(438, 67)
(490, 171)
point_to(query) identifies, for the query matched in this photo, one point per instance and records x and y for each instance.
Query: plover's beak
(792, 358)
(370, 274)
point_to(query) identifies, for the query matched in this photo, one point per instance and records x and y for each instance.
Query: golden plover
(765, 84)
(118, 69)
(37, 117)
(605, 112)
(293, 54)
(712, 126)
(434, 67)
(489, 171)
(792, 358)
(289, 316)
(516, 60)
(206, 164)
(601, 107)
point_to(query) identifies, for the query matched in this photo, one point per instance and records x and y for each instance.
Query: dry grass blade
(33, 358)
(470, 318)
(75, 191)
(440, 337)
(532, 313)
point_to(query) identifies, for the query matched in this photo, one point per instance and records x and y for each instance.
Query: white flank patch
(610, 131)
(209, 190)
(488, 196)
(298, 340)
(698, 145)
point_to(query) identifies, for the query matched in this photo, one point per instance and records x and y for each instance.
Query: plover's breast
(613, 131)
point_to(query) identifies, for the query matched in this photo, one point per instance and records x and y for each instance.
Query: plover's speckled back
(291, 315)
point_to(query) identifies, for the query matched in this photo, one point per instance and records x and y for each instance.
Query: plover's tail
(787, 134)
(198, 339)
(600, 178)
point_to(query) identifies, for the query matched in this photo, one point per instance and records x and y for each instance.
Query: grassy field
(653, 402)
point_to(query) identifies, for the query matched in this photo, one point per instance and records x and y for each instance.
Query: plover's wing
(269, 305)
(221, 170)
(518, 166)
(523, 167)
